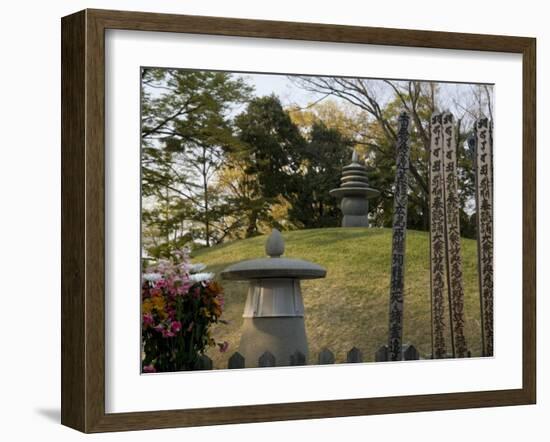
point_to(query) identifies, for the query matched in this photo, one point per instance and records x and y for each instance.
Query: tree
(164, 225)
(325, 154)
(270, 157)
(381, 101)
(354, 127)
(366, 95)
(186, 130)
(251, 213)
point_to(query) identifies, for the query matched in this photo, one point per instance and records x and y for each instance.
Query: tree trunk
(251, 229)
(205, 189)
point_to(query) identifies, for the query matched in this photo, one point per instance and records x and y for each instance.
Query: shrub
(179, 305)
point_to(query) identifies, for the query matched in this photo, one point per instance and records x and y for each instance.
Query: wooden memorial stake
(482, 143)
(438, 255)
(398, 239)
(452, 230)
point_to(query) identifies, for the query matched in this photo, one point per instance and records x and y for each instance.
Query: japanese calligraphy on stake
(398, 239)
(454, 259)
(438, 253)
(484, 203)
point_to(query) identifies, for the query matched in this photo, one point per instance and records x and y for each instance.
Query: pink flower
(159, 328)
(224, 346)
(147, 319)
(149, 369)
(156, 291)
(160, 284)
(176, 326)
(167, 334)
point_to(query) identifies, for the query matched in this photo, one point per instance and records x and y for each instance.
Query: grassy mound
(350, 306)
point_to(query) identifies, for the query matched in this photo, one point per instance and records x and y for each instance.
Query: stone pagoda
(354, 193)
(274, 309)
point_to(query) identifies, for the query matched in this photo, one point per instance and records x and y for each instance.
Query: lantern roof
(354, 181)
(275, 266)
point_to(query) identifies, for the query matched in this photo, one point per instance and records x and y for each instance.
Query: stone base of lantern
(281, 336)
(355, 221)
(354, 211)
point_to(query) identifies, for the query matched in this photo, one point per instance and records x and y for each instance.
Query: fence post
(297, 358)
(381, 354)
(266, 360)
(326, 357)
(204, 363)
(410, 353)
(354, 355)
(236, 361)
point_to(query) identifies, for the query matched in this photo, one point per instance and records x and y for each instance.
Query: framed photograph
(267, 220)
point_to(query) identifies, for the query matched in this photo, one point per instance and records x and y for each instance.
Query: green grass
(350, 306)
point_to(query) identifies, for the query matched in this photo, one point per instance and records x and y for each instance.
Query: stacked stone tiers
(354, 193)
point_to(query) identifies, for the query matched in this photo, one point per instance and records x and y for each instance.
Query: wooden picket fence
(325, 356)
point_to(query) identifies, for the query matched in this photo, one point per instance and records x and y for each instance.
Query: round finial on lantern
(275, 245)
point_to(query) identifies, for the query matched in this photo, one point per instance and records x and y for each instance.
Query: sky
(281, 86)
(293, 96)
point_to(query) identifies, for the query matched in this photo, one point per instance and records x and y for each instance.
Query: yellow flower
(158, 302)
(146, 306)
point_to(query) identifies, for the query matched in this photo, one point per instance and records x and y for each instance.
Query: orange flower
(158, 302)
(214, 288)
(146, 306)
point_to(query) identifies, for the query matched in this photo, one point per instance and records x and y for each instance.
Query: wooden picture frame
(83, 220)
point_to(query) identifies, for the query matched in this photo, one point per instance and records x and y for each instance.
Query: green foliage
(325, 154)
(220, 164)
(273, 146)
(299, 166)
(185, 131)
(377, 140)
(163, 224)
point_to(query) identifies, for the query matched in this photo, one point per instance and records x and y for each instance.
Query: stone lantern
(274, 310)
(354, 193)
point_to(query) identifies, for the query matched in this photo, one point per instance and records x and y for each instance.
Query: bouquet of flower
(179, 305)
